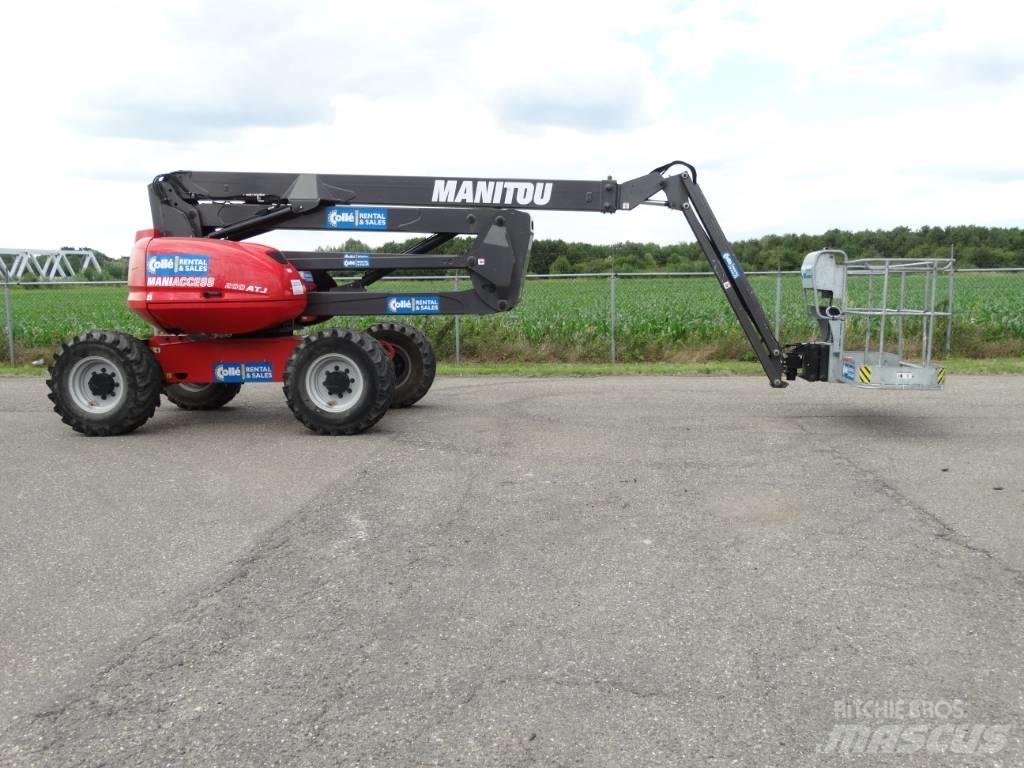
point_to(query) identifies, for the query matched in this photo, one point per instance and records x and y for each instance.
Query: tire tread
(216, 398)
(140, 366)
(381, 369)
(422, 343)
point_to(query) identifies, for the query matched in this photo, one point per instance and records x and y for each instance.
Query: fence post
(778, 303)
(611, 320)
(10, 320)
(949, 301)
(458, 330)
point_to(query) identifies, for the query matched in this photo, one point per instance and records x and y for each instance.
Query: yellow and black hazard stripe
(940, 376)
(864, 374)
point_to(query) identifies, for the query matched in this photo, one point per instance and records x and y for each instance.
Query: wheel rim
(403, 366)
(335, 383)
(96, 385)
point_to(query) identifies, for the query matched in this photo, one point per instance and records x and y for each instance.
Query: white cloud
(802, 116)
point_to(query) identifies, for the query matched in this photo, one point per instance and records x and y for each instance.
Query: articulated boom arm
(237, 206)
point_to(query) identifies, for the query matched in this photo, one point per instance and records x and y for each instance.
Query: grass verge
(6, 369)
(727, 368)
(963, 366)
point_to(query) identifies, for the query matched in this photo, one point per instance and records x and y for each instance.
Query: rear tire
(201, 397)
(339, 382)
(414, 361)
(105, 383)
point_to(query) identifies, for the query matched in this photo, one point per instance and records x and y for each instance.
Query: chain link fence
(624, 317)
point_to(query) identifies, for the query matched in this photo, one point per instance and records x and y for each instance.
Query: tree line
(973, 246)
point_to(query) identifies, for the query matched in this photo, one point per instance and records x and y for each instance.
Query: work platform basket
(898, 307)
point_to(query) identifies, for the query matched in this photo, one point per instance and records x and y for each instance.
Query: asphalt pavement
(600, 571)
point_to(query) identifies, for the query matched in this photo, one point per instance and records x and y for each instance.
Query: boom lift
(228, 311)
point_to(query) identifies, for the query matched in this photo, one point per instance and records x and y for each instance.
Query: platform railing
(891, 303)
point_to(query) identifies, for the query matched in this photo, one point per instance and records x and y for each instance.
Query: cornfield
(656, 318)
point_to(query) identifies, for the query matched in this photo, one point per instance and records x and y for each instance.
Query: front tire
(414, 361)
(339, 382)
(201, 397)
(105, 383)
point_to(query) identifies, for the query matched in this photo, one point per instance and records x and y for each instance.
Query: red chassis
(190, 360)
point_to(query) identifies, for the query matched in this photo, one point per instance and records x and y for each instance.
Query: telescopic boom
(237, 206)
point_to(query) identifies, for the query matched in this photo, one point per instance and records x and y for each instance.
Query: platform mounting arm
(682, 193)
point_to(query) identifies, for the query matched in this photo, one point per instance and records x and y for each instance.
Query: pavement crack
(945, 532)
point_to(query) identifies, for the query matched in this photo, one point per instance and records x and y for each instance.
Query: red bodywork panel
(234, 360)
(200, 285)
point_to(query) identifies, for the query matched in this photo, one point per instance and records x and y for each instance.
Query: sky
(800, 116)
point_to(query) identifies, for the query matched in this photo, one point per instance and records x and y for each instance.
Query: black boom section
(174, 197)
(496, 262)
(684, 194)
(236, 206)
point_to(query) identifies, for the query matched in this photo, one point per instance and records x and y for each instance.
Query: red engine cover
(198, 285)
